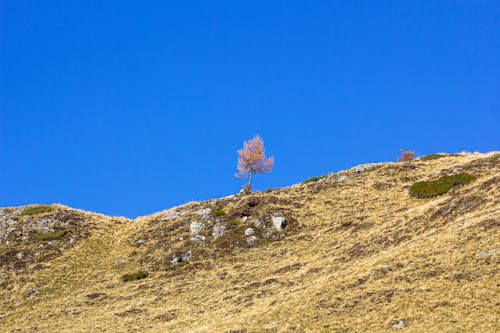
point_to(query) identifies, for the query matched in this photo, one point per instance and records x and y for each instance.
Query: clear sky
(131, 107)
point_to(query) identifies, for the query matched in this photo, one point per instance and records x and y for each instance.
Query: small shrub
(30, 211)
(406, 156)
(219, 212)
(429, 189)
(313, 179)
(432, 157)
(134, 276)
(235, 222)
(48, 236)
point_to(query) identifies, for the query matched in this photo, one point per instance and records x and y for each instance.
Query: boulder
(279, 222)
(198, 238)
(249, 231)
(204, 213)
(170, 216)
(195, 227)
(186, 256)
(455, 171)
(140, 242)
(219, 229)
(399, 325)
(364, 167)
(258, 223)
(251, 240)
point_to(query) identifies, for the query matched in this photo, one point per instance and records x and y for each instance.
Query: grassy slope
(400, 258)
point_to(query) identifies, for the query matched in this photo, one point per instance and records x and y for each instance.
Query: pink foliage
(252, 160)
(406, 156)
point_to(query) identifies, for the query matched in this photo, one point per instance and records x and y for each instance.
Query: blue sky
(127, 108)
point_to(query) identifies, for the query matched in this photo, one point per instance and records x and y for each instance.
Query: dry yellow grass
(360, 255)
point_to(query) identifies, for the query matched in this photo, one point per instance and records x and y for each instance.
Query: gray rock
(364, 167)
(204, 213)
(465, 206)
(219, 229)
(20, 256)
(258, 223)
(186, 256)
(343, 178)
(455, 171)
(195, 227)
(271, 325)
(140, 241)
(449, 209)
(198, 238)
(279, 222)
(251, 240)
(249, 231)
(399, 325)
(486, 253)
(31, 292)
(170, 216)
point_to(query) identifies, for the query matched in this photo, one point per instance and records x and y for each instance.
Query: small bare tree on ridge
(252, 160)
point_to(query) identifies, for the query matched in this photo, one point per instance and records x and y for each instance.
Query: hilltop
(382, 247)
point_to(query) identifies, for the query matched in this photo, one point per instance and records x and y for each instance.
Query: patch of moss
(134, 276)
(313, 179)
(30, 211)
(219, 212)
(48, 236)
(429, 189)
(432, 157)
(235, 222)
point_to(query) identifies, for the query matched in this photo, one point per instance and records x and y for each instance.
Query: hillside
(349, 252)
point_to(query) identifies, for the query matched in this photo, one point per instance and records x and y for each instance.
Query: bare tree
(406, 156)
(252, 160)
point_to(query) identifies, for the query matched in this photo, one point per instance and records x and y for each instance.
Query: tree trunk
(250, 181)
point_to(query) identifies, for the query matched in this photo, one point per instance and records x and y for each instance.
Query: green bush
(313, 179)
(432, 157)
(30, 211)
(134, 276)
(219, 212)
(48, 236)
(429, 189)
(234, 222)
